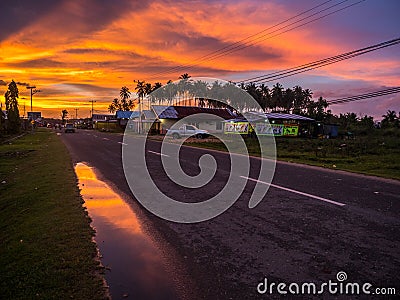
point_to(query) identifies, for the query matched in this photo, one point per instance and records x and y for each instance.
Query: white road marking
(125, 144)
(157, 153)
(95, 136)
(296, 192)
(106, 139)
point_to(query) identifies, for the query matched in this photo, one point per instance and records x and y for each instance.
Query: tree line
(296, 100)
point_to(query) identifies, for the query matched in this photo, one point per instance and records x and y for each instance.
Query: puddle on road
(135, 266)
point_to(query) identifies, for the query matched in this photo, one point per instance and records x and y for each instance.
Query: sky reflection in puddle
(137, 269)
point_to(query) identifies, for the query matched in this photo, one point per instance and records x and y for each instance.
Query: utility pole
(76, 113)
(1, 114)
(91, 114)
(33, 92)
(140, 115)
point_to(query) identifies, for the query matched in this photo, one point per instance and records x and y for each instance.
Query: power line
(379, 93)
(238, 46)
(320, 63)
(265, 36)
(180, 67)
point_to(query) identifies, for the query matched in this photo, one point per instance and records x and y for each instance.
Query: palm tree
(183, 87)
(147, 91)
(200, 88)
(157, 96)
(390, 119)
(184, 76)
(277, 96)
(170, 91)
(307, 96)
(114, 106)
(265, 96)
(288, 100)
(124, 93)
(299, 96)
(140, 89)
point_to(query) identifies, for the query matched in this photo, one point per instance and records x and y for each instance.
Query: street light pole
(33, 92)
(91, 114)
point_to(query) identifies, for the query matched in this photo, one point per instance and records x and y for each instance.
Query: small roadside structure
(169, 115)
(123, 117)
(147, 123)
(276, 124)
(326, 130)
(104, 122)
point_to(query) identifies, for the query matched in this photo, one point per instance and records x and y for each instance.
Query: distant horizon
(71, 114)
(76, 51)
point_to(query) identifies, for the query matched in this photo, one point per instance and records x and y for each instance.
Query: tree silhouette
(184, 76)
(140, 89)
(64, 114)
(11, 96)
(390, 119)
(122, 104)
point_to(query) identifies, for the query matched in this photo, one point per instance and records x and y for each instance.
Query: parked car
(69, 127)
(188, 130)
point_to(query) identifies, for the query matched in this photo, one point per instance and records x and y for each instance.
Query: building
(279, 124)
(123, 117)
(104, 121)
(147, 123)
(208, 118)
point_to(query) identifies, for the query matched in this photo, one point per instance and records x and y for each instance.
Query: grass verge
(377, 154)
(46, 239)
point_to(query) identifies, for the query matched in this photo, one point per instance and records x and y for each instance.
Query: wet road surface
(135, 266)
(288, 237)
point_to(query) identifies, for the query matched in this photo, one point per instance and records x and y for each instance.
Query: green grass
(46, 239)
(376, 154)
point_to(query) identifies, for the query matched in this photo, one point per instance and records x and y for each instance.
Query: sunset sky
(76, 51)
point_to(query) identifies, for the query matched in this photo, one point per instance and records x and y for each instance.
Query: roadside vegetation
(46, 250)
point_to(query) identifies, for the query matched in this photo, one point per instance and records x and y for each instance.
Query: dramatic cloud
(19, 14)
(22, 83)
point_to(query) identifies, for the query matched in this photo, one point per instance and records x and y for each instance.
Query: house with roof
(104, 122)
(277, 124)
(210, 119)
(123, 116)
(146, 123)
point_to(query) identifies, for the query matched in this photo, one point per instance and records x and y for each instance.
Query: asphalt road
(293, 236)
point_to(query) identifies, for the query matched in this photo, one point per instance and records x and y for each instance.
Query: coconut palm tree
(298, 99)
(157, 96)
(277, 96)
(200, 88)
(140, 89)
(288, 100)
(265, 96)
(124, 93)
(114, 106)
(170, 91)
(390, 119)
(184, 85)
(184, 76)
